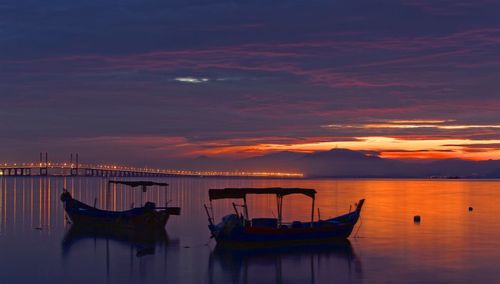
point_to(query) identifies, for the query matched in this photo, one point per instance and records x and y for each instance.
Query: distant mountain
(465, 168)
(348, 163)
(344, 163)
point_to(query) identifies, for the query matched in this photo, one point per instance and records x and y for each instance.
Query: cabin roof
(138, 183)
(230, 193)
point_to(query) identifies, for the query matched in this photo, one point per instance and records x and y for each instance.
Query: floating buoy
(416, 218)
(470, 209)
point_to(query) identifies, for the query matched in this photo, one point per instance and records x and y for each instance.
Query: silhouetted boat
(148, 216)
(239, 229)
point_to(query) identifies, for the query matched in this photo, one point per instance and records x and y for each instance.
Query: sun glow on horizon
(388, 147)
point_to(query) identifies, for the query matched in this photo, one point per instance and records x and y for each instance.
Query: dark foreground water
(450, 245)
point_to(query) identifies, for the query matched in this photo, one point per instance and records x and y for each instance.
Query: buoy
(416, 218)
(470, 208)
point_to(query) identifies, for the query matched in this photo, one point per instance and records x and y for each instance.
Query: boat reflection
(144, 242)
(286, 263)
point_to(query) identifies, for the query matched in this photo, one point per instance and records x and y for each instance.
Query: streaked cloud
(414, 124)
(418, 121)
(225, 78)
(386, 146)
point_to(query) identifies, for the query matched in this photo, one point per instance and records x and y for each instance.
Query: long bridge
(103, 170)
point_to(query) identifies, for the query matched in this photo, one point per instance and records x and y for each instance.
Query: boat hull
(145, 217)
(288, 236)
(138, 220)
(233, 231)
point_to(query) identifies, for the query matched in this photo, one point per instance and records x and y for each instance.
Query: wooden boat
(238, 229)
(145, 217)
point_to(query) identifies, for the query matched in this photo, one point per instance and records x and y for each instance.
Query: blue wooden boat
(239, 230)
(145, 217)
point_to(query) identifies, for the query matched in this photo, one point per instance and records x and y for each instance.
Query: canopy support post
(279, 203)
(281, 210)
(312, 212)
(108, 189)
(143, 190)
(246, 208)
(166, 197)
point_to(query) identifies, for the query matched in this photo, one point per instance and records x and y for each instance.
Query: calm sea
(450, 245)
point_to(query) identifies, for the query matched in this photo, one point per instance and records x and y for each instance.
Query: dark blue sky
(142, 81)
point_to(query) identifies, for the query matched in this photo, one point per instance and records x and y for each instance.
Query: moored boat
(238, 229)
(147, 216)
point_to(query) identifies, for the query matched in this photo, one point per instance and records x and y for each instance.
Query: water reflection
(451, 244)
(284, 263)
(110, 246)
(144, 242)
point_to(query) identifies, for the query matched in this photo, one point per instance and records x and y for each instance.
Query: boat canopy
(138, 183)
(233, 193)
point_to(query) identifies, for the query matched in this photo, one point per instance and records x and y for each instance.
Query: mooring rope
(360, 223)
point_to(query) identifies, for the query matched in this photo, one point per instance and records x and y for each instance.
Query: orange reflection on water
(449, 236)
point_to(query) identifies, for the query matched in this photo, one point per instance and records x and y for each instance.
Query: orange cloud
(388, 147)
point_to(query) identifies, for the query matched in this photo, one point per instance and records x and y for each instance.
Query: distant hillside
(344, 163)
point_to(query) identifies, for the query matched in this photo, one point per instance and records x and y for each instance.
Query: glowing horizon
(164, 89)
(387, 147)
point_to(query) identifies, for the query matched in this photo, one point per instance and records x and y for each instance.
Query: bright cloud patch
(408, 124)
(192, 80)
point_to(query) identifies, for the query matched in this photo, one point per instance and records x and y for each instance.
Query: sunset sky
(147, 81)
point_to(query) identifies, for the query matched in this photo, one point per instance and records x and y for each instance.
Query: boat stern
(227, 228)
